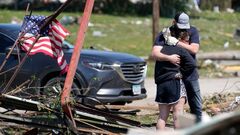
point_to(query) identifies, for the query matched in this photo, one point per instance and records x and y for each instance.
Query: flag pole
(75, 59)
(55, 14)
(42, 27)
(14, 45)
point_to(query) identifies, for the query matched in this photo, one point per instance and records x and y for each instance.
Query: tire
(51, 93)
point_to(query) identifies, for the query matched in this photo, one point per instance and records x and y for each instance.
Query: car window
(67, 45)
(5, 42)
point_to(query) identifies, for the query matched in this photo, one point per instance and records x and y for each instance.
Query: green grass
(147, 120)
(123, 34)
(215, 29)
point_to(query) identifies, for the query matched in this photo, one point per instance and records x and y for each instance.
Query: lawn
(132, 34)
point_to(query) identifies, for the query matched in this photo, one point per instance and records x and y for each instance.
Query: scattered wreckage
(64, 115)
(33, 117)
(61, 114)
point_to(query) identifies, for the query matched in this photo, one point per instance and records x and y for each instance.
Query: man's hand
(174, 58)
(171, 41)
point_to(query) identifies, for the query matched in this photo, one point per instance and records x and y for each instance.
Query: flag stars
(32, 23)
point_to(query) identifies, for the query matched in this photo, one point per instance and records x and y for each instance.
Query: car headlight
(100, 65)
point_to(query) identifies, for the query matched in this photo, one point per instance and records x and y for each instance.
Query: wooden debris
(230, 55)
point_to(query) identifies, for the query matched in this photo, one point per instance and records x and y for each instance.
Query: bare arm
(158, 56)
(192, 48)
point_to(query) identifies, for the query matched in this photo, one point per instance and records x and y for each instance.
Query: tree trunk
(155, 19)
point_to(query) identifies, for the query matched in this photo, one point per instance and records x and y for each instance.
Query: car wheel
(51, 93)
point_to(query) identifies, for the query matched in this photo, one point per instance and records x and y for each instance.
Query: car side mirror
(14, 51)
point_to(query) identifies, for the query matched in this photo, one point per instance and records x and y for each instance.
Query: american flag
(50, 42)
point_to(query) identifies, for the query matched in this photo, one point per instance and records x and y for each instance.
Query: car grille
(134, 72)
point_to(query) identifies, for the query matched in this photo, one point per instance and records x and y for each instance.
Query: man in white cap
(173, 36)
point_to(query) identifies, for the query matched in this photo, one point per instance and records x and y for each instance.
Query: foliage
(209, 4)
(122, 7)
(169, 8)
(113, 7)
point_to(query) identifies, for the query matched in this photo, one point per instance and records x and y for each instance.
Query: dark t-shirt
(193, 38)
(165, 70)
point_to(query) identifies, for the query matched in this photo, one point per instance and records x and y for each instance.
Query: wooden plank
(13, 102)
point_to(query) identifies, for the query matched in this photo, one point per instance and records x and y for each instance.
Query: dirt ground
(208, 86)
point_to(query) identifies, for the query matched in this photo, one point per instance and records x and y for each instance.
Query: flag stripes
(49, 44)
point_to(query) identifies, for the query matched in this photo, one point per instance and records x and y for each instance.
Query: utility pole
(155, 19)
(65, 97)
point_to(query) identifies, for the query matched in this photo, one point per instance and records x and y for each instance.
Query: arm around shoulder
(194, 42)
(192, 48)
(159, 56)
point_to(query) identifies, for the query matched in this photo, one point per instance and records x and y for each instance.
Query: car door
(24, 74)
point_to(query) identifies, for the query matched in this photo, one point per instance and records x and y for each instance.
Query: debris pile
(27, 116)
(219, 103)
